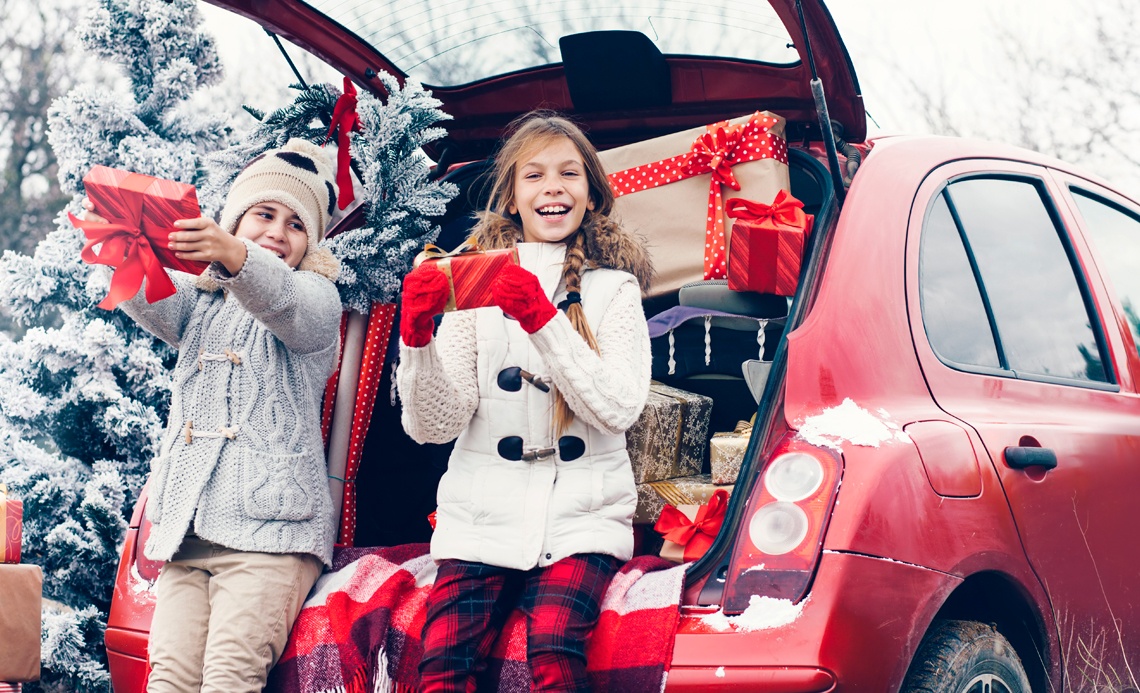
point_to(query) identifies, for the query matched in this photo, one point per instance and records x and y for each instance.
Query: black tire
(965, 657)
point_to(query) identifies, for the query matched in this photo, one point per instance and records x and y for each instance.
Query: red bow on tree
(695, 535)
(344, 121)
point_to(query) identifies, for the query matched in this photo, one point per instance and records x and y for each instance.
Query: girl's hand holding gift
(426, 291)
(520, 295)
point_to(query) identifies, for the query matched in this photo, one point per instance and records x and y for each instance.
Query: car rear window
(1022, 266)
(455, 42)
(1115, 234)
(952, 309)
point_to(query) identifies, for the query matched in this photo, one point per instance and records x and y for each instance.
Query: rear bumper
(736, 679)
(126, 659)
(857, 631)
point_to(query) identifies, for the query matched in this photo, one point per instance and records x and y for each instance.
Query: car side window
(1115, 234)
(1034, 304)
(952, 309)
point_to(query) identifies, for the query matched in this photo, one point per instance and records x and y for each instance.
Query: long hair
(528, 133)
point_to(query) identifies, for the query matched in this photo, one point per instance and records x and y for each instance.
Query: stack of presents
(20, 596)
(731, 180)
(679, 509)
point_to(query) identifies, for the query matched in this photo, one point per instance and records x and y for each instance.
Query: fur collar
(607, 244)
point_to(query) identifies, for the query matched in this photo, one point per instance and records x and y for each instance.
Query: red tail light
(783, 527)
(147, 569)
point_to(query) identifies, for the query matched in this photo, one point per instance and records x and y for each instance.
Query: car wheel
(965, 657)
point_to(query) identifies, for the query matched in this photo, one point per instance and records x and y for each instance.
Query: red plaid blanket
(360, 628)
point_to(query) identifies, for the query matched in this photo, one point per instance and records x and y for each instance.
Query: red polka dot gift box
(672, 191)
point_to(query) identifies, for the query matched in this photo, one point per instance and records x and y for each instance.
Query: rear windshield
(453, 42)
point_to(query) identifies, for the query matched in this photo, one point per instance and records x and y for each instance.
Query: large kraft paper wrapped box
(674, 217)
(669, 438)
(21, 590)
(688, 490)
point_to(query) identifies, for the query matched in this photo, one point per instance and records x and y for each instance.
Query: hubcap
(987, 683)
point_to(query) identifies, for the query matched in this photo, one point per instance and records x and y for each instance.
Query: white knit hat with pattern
(300, 176)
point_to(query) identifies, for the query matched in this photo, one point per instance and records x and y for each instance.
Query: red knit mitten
(519, 294)
(426, 291)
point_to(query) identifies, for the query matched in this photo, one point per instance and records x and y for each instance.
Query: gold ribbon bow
(442, 259)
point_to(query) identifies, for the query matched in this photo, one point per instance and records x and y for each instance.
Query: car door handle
(1020, 457)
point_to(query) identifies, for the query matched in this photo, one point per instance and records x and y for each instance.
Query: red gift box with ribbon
(11, 527)
(672, 191)
(767, 244)
(689, 530)
(140, 212)
(469, 271)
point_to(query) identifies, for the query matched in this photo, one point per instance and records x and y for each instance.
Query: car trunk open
(397, 478)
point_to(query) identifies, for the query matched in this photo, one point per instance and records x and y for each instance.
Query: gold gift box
(668, 440)
(726, 453)
(688, 490)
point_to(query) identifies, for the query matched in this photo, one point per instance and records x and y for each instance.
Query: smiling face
(276, 228)
(551, 191)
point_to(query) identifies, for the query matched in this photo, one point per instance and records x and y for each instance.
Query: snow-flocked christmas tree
(85, 391)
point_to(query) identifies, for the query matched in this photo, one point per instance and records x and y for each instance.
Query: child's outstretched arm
(165, 319)
(607, 389)
(437, 378)
(302, 309)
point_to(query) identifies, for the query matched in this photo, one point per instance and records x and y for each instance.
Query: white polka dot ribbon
(715, 152)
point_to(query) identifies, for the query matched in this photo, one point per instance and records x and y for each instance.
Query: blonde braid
(572, 277)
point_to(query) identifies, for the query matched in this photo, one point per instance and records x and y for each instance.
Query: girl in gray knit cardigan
(238, 497)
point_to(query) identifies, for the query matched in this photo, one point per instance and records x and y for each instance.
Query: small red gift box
(11, 527)
(689, 530)
(469, 271)
(140, 211)
(767, 244)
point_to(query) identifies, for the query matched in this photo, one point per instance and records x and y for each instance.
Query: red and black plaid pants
(470, 602)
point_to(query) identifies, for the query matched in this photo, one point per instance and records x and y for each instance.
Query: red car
(938, 483)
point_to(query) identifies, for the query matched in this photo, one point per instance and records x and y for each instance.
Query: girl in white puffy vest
(537, 502)
(238, 496)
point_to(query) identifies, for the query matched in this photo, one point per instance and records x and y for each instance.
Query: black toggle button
(511, 447)
(510, 379)
(571, 447)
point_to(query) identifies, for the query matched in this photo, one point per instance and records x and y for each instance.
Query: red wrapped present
(140, 213)
(767, 244)
(672, 189)
(689, 530)
(11, 526)
(469, 271)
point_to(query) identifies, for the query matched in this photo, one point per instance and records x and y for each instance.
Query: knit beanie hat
(300, 176)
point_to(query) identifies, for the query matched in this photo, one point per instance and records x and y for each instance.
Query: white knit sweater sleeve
(606, 390)
(439, 383)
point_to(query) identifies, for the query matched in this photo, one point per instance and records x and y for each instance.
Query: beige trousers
(223, 616)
